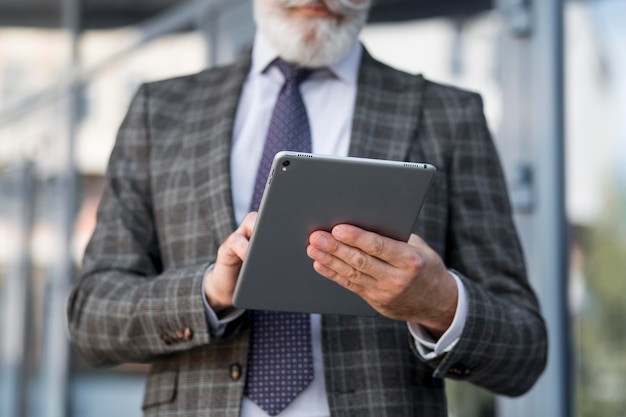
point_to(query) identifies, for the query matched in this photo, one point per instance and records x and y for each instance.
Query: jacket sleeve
(503, 345)
(125, 307)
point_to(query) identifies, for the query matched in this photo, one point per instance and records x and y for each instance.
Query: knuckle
(378, 246)
(353, 286)
(415, 263)
(399, 285)
(353, 275)
(386, 300)
(360, 261)
(223, 248)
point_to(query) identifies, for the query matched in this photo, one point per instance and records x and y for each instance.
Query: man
(160, 270)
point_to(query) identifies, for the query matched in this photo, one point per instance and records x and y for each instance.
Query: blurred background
(553, 77)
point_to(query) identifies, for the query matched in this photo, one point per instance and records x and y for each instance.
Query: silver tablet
(308, 192)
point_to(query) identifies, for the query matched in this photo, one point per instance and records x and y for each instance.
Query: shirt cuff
(217, 325)
(430, 348)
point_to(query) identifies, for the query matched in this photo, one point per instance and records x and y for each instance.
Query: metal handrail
(187, 15)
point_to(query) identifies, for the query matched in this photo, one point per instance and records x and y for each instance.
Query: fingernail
(321, 241)
(339, 232)
(315, 253)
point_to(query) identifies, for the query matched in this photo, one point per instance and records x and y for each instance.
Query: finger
(386, 249)
(247, 225)
(334, 268)
(416, 241)
(354, 285)
(338, 271)
(234, 249)
(348, 262)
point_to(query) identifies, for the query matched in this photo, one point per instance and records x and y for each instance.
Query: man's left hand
(402, 281)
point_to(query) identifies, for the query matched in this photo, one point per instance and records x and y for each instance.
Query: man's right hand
(220, 281)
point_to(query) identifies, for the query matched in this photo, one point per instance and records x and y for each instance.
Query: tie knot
(291, 72)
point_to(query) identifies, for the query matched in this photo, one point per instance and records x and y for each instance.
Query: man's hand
(220, 281)
(402, 281)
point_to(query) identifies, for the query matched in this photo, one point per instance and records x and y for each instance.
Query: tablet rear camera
(286, 163)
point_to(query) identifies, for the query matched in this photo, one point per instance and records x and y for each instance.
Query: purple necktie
(280, 360)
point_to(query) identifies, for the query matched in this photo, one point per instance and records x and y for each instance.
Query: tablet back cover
(307, 192)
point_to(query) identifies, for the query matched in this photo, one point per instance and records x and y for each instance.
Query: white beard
(314, 42)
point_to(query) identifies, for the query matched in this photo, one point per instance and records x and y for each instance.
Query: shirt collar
(346, 69)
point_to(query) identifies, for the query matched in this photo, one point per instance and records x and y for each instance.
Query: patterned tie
(280, 361)
(289, 126)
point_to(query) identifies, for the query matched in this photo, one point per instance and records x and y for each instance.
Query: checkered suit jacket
(167, 207)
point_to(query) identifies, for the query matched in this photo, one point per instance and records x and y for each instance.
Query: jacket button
(166, 339)
(459, 370)
(188, 334)
(235, 372)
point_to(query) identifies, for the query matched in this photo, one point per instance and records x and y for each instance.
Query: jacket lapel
(387, 115)
(208, 140)
(387, 111)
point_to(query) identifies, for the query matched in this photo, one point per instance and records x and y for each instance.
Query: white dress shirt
(329, 96)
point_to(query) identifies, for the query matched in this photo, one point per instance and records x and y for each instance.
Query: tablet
(307, 192)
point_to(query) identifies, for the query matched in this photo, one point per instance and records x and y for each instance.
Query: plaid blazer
(167, 207)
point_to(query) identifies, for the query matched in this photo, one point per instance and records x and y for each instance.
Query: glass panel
(597, 201)
(33, 128)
